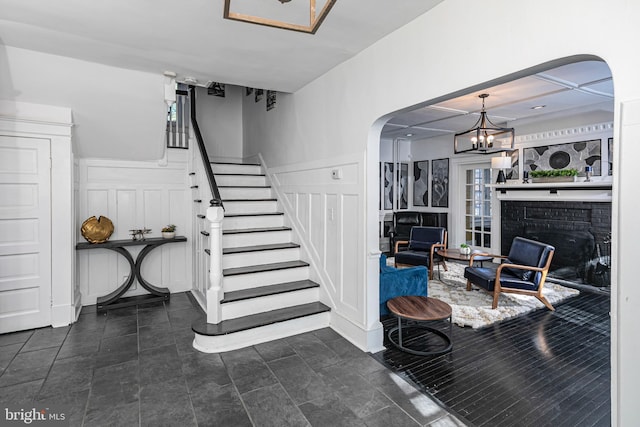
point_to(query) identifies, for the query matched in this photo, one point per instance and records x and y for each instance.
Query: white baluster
(215, 292)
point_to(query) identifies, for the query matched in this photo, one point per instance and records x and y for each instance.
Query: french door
(477, 202)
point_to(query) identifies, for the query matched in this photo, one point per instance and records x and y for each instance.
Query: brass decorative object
(97, 230)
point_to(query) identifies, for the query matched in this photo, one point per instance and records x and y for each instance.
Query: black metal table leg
(448, 344)
(115, 295)
(155, 290)
(115, 299)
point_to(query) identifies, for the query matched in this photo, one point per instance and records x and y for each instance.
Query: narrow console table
(114, 300)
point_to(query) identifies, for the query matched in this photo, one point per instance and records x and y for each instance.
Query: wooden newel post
(215, 293)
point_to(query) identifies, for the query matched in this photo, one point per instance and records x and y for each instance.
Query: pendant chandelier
(484, 137)
(314, 19)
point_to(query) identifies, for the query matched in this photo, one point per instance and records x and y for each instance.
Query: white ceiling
(580, 87)
(191, 38)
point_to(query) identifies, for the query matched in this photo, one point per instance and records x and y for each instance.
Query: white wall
(117, 113)
(336, 115)
(322, 210)
(220, 122)
(135, 195)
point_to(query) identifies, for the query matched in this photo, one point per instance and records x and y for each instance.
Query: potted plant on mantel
(554, 175)
(169, 231)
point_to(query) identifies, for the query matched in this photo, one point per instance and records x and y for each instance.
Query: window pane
(478, 207)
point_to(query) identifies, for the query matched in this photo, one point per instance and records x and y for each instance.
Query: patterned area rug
(473, 308)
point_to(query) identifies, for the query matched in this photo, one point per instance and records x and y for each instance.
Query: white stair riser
(221, 343)
(257, 221)
(238, 169)
(251, 306)
(243, 193)
(240, 180)
(252, 239)
(264, 278)
(232, 207)
(261, 257)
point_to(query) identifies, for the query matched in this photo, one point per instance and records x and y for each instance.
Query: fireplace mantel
(595, 191)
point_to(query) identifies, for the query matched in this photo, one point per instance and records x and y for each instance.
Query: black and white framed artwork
(610, 151)
(403, 186)
(258, 94)
(512, 172)
(573, 155)
(271, 100)
(386, 181)
(440, 183)
(217, 89)
(421, 183)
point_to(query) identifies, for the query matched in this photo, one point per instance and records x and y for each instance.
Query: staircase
(267, 291)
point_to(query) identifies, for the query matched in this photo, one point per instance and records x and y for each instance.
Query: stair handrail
(215, 192)
(215, 216)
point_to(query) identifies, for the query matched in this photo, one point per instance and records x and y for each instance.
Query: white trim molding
(545, 136)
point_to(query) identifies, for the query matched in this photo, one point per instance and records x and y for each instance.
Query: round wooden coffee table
(455, 254)
(420, 310)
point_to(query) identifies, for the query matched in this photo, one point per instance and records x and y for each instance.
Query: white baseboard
(63, 315)
(365, 340)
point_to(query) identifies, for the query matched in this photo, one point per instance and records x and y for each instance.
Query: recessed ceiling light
(538, 107)
(408, 134)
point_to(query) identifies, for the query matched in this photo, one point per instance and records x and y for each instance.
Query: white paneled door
(25, 233)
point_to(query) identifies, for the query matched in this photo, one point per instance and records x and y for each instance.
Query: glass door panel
(477, 207)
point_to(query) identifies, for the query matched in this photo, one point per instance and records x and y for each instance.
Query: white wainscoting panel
(331, 255)
(316, 234)
(327, 216)
(135, 195)
(352, 278)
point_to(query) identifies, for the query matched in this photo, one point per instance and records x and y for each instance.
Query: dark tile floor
(548, 368)
(136, 366)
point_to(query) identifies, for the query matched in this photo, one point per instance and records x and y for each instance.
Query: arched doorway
(551, 138)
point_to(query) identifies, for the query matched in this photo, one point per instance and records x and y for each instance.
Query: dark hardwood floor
(543, 369)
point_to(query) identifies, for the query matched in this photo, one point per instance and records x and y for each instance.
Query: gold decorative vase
(97, 230)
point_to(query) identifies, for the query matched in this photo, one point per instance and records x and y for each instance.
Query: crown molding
(563, 133)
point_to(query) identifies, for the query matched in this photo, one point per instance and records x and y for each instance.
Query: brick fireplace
(579, 230)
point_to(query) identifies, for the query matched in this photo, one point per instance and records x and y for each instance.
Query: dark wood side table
(114, 300)
(420, 309)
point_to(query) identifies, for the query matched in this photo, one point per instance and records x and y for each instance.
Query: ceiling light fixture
(538, 107)
(408, 134)
(314, 19)
(484, 137)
